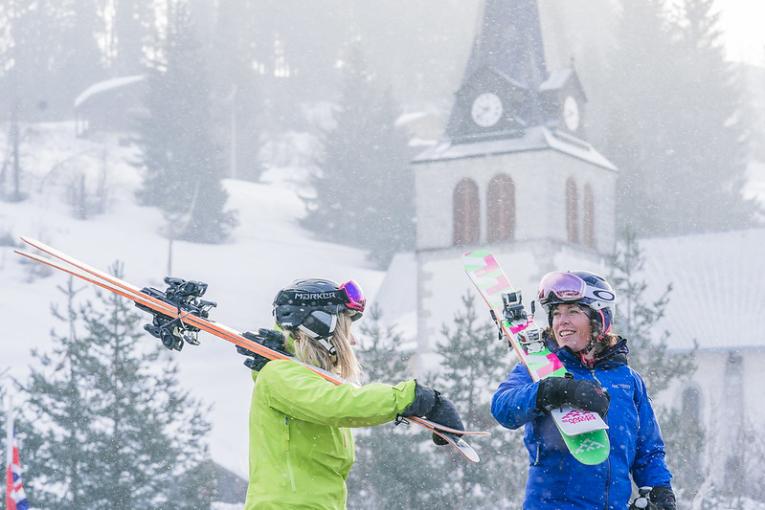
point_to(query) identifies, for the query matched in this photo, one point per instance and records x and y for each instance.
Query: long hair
(344, 363)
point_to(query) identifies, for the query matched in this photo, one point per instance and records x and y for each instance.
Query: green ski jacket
(301, 448)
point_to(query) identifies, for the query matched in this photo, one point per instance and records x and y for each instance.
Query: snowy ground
(267, 250)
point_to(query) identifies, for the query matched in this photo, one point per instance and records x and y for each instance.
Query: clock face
(571, 113)
(486, 110)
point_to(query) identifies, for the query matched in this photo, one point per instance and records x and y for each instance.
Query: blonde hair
(344, 362)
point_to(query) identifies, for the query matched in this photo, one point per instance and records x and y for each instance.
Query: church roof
(535, 138)
(510, 40)
(559, 78)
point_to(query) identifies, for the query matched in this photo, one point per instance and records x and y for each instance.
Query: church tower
(513, 171)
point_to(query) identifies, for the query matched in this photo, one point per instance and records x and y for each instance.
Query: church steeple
(506, 88)
(509, 41)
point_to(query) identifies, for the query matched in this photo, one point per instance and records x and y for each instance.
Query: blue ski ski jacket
(556, 480)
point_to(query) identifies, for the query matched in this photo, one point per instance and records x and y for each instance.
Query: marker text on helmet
(314, 296)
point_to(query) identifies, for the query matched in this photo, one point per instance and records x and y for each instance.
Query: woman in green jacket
(301, 448)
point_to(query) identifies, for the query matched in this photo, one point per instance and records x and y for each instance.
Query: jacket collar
(610, 358)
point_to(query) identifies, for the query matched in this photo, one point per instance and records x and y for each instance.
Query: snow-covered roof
(718, 295)
(103, 86)
(406, 118)
(535, 138)
(556, 80)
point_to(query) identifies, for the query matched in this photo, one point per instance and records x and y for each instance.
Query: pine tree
(677, 131)
(82, 62)
(130, 36)
(113, 429)
(182, 162)
(713, 113)
(60, 448)
(236, 88)
(649, 354)
(298, 47)
(150, 432)
(364, 194)
(30, 55)
(472, 364)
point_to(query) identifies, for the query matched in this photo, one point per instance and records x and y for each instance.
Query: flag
(15, 498)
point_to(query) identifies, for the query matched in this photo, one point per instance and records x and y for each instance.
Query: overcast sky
(743, 22)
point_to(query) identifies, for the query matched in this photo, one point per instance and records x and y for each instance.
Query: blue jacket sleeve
(514, 402)
(649, 467)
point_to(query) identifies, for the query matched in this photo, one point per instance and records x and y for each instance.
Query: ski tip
(466, 450)
(30, 241)
(25, 254)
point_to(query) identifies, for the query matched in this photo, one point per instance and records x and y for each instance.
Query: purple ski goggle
(354, 296)
(570, 287)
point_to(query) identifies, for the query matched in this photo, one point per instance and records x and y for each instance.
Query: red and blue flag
(15, 498)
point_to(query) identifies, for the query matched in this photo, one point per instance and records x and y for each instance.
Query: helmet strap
(328, 346)
(325, 343)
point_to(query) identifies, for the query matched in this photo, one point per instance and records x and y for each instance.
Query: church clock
(571, 114)
(486, 110)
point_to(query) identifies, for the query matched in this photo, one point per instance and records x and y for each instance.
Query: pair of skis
(191, 319)
(583, 432)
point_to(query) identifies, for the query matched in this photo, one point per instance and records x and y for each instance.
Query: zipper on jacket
(608, 481)
(289, 457)
(608, 465)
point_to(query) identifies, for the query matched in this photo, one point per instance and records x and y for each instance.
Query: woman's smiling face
(571, 326)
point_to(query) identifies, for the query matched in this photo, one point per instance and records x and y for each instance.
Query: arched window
(500, 209)
(572, 211)
(467, 220)
(589, 217)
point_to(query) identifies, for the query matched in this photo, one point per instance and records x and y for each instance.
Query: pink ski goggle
(354, 296)
(564, 286)
(570, 287)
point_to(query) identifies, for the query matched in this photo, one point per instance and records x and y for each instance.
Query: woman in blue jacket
(580, 313)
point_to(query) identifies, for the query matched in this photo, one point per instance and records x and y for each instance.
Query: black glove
(268, 337)
(428, 403)
(578, 393)
(663, 498)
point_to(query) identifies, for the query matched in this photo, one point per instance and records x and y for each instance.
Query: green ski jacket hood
(301, 449)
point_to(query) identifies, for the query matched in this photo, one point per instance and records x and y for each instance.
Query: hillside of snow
(267, 250)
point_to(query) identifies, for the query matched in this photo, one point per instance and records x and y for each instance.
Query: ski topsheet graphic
(193, 318)
(583, 432)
